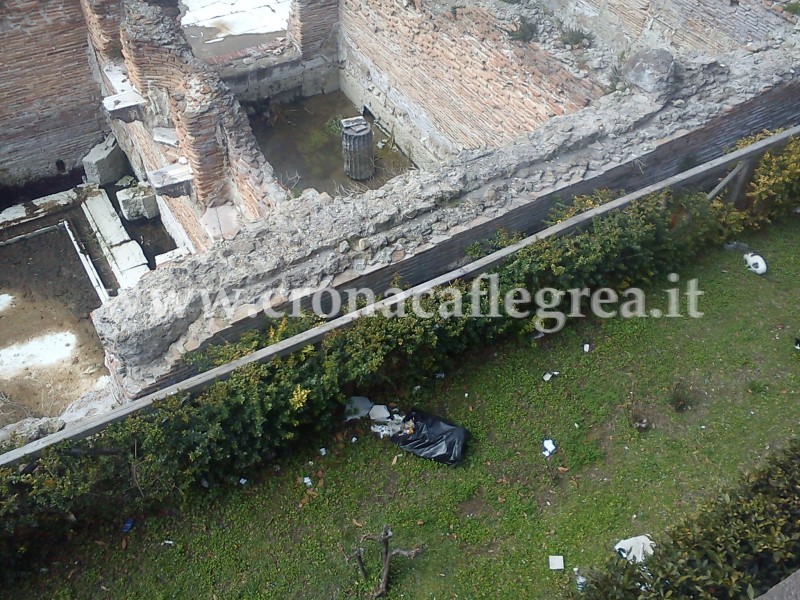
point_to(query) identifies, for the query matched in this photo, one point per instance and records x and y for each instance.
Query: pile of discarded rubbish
(418, 432)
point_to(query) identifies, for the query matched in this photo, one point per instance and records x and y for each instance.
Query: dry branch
(386, 558)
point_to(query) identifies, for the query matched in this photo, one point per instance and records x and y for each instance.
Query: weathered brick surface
(49, 103)
(213, 131)
(459, 73)
(311, 24)
(711, 25)
(102, 21)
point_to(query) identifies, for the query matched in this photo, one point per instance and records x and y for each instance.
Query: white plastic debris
(353, 440)
(357, 407)
(167, 543)
(440, 375)
(538, 335)
(797, 343)
(379, 412)
(755, 263)
(307, 481)
(550, 374)
(580, 580)
(556, 562)
(586, 347)
(549, 448)
(635, 549)
(242, 481)
(323, 451)
(389, 428)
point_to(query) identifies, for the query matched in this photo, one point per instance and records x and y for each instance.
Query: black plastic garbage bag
(432, 437)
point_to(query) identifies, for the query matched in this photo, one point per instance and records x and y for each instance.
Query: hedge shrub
(738, 545)
(160, 455)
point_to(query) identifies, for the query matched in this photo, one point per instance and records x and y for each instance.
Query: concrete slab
(173, 180)
(167, 136)
(237, 17)
(125, 257)
(21, 213)
(221, 222)
(138, 202)
(127, 106)
(105, 163)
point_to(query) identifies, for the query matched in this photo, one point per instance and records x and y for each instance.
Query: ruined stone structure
(498, 122)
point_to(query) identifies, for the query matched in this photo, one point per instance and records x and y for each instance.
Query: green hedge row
(738, 545)
(161, 455)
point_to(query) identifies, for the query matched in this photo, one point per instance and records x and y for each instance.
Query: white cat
(755, 263)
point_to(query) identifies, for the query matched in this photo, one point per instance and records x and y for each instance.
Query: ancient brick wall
(454, 76)
(711, 25)
(102, 20)
(213, 132)
(49, 103)
(311, 24)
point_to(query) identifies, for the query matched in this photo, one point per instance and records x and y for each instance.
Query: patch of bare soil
(50, 354)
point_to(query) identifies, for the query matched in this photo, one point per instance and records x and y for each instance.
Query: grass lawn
(491, 523)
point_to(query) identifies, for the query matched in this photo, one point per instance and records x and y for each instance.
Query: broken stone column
(105, 163)
(359, 162)
(138, 202)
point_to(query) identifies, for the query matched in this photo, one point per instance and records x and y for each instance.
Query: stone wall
(186, 95)
(418, 225)
(49, 104)
(683, 25)
(451, 79)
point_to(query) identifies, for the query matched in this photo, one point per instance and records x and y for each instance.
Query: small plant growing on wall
(793, 8)
(575, 37)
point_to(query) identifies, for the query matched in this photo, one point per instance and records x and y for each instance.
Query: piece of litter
(242, 481)
(128, 525)
(548, 448)
(307, 481)
(538, 335)
(204, 482)
(167, 543)
(735, 246)
(556, 562)
(580, 580)
(702, 426)
(550, 374)
(635, 549)
(440, 376)
(357, 407)
(466, 395)
(394, 460)
(797, 343)
(353, 440)
(577, 426)
(417, 388)
(323, 451)
(587, 347)
(379, 412)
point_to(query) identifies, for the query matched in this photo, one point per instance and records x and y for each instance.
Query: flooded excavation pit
(302, 141)
(50, 354)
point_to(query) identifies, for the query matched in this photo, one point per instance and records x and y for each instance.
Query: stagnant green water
(301, 144)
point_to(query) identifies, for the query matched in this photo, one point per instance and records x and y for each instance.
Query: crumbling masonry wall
(311, 24)
(452, 78)
(49, 102)
(186, 96)
(685, 25)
